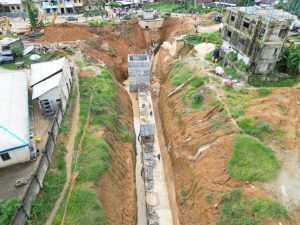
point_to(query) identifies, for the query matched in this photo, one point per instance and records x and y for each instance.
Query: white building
(14, 119)
(51, 84)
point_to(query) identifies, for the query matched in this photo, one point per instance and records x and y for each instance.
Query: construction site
(150, 133)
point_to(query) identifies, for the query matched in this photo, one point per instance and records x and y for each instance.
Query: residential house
(51, 84)
(14, 119)
(257, 35)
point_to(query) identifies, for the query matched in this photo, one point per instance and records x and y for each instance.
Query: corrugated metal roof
(14, 114)
(10, 2)
(45, 86)
(40, 71)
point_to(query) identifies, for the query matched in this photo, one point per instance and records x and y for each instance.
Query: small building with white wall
(51, 84)
(14, 119)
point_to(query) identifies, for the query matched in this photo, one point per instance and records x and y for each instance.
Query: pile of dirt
(112, 45)
(65, 32)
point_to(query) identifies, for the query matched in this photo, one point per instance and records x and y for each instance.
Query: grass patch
(211, 37)
(255, 128)
(208, 56)
(283, 83)
(83, 63)
(162, 6)
(94, 159)
(264, 92)
(8, 209)
(100, 22)
(249, 211)
(232, 73)
(84, 208)
(180, 72)
(197, 81)
(252, 160)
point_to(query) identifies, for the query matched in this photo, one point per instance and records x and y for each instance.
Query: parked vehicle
(72, 18)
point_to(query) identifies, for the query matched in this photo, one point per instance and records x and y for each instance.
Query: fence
(36, 183)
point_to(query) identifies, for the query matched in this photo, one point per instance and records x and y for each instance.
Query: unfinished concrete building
(139, 67)
(257, 35)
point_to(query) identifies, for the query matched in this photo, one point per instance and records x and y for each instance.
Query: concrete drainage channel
(152, 194)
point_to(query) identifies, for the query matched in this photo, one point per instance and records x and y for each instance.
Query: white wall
(17, 156)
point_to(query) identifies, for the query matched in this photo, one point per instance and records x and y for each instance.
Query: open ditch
(195, 145)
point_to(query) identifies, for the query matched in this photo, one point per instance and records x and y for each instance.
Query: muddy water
(140, 188)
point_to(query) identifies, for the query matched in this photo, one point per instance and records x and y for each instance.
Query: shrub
(252, 160)
(232, 56)
(197, 98)
(17, 49)
(211, 37)
(253, 127)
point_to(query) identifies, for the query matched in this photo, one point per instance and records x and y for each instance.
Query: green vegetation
(197, 81)
(232, 56)
(100, 22)
(255, 128)
(163, 6)
(208, 56)
(211, 37)
(282, 83)
(83, 63)
(185, 6)
(17, 49)
(7, 210)
(56, 175)
(232, 72)
(252, 160)
(31, 14)
(197, 99)
(180, 72)
(264, 92)
(290, 60)
(240, 64)
(84, 206)
(249, 211)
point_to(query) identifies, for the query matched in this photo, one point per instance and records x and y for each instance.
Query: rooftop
(14, 111)
(267, 13)
(42, 71)
(138, 57)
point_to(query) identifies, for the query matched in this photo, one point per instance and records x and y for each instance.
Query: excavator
(43, 17)
(5, 20)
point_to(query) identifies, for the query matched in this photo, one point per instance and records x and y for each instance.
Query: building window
(5, 157)
(229, 33)
(261, 33)
(232, 18)
(12, 8)
(246, 24)
(18, 7)
(275, 51)
(282, 33)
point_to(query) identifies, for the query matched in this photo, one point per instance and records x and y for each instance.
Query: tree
(290, 60)
(31, 14)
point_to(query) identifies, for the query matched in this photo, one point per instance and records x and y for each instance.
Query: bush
(232, 56)
(252, 160)
(232, 73)
(197, 98)
(17, 49)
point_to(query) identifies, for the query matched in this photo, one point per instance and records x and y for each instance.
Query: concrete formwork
(139, 68)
